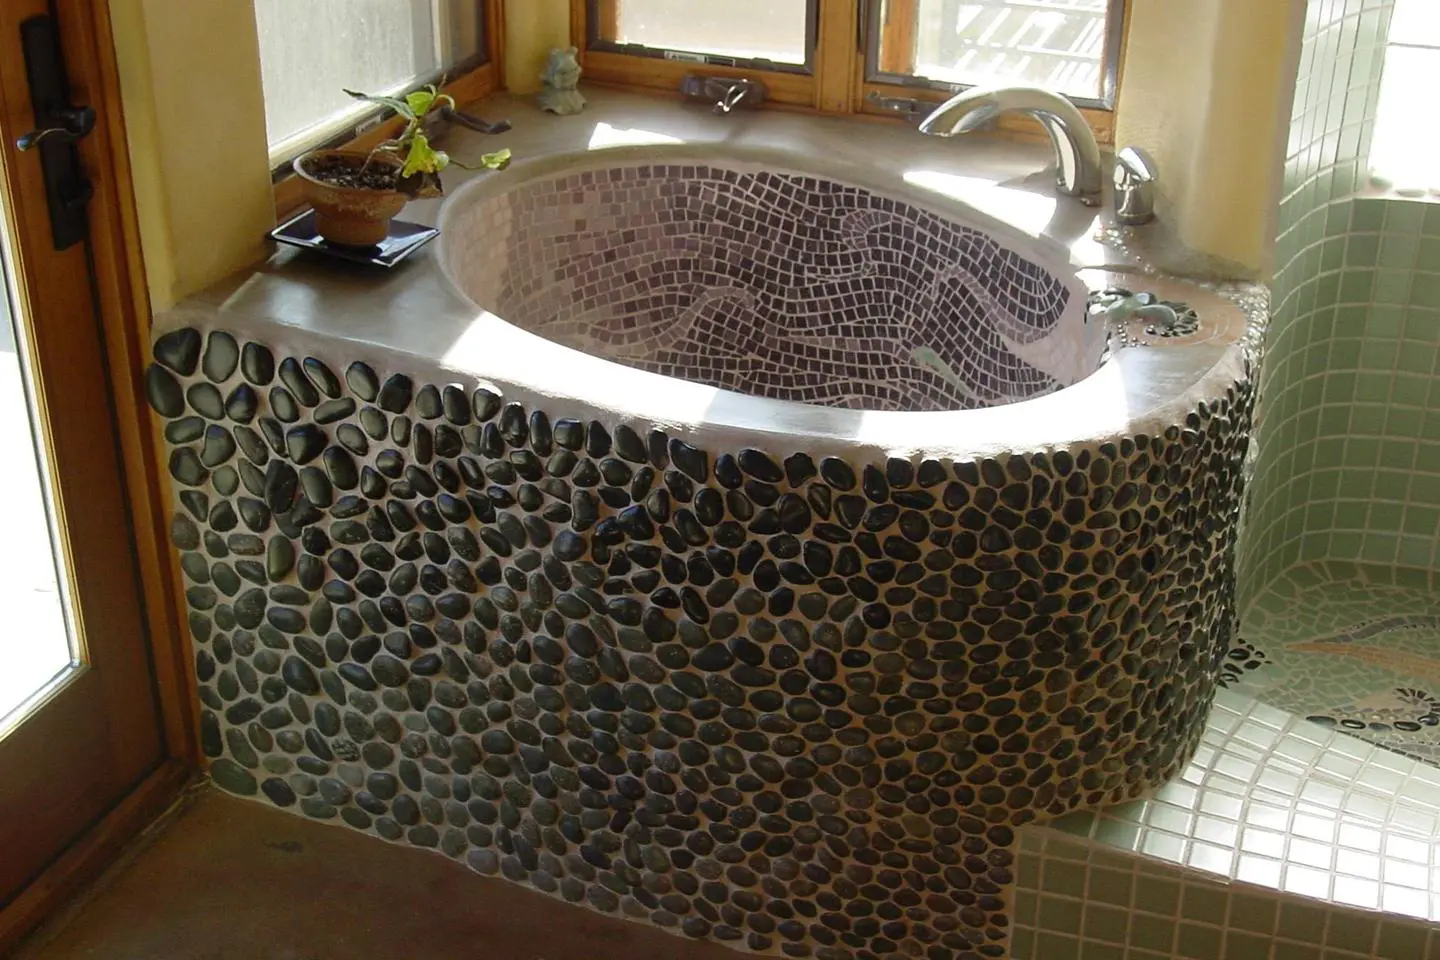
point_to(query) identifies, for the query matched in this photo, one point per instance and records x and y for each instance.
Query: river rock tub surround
(796, 703)
(773, 284)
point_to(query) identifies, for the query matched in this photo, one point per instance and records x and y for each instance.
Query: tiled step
(1283, 840)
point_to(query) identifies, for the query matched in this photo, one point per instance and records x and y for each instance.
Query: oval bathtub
(799, 549)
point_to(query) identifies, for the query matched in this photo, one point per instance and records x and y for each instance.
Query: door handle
(59, 125)
(74, 123)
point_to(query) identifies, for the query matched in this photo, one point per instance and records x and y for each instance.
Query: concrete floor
(234, 879)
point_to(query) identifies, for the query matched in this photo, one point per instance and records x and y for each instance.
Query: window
(311, 50)
(1406, 144)
(1072, 46)
(778, 35)
(862, 56)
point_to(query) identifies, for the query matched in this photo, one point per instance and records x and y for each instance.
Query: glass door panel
(35, 651)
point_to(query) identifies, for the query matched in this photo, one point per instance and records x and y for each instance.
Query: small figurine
(561, 78)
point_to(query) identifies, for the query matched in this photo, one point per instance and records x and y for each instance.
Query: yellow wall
(1207, 92)
(195, 118)
(532, 29)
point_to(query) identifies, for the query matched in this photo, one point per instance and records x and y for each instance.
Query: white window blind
(1405, 149)
(311, 50)
(774, 30)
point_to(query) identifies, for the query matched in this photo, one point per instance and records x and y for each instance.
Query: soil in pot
(344, 173)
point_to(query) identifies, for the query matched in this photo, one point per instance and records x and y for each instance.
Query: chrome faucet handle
(1135, 177)
(723, 93)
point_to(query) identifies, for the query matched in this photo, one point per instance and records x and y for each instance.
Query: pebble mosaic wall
(774, 284)
(796, 704)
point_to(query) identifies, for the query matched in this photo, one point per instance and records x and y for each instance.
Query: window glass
(1064, 45)
(1406, 143)
(311, 50)
(773, 30)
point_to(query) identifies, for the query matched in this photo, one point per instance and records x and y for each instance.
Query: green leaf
(399, 106)
(498, 160)
(442, 160)
(420, 101)
(421, 157)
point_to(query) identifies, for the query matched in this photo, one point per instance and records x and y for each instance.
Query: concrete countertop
(415, 311)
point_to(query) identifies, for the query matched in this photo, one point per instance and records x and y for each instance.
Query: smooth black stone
(799, 468)
(205, 400)
(179, 350)
(196, 502)
(629, 445)
(164, 391)
(760, 466)
(184, 430)
(340, 467)
(282, 485)
(693, 462)
(877, 489)
(283, 405)
(229, 775)
(305, 442)
(222, 356)
(218, 448)
(258, 364)
(395, 394)
(279, 558)
(226, 481)
(837, 473)
(242, 404)
(255, 514)
(316, 486)
(362, 380)
(332, 411)
(186, 468)
(427, 402)
(298, 674)
(250, 443)
(376, 426)
(294, 378)
(322, 377)
(570, 434)
(484, 404)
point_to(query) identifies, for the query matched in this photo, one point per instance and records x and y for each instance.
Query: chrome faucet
(726, 93)
(1076, 153)
(1135, 178)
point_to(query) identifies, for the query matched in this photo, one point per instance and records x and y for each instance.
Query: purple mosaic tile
(778, 285)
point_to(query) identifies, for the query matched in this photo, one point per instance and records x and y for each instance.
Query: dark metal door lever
(75, 123)
(59, 125)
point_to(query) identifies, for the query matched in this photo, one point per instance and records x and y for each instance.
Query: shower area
(1340, 571)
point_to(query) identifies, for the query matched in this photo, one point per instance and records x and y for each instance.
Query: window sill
(1378, 188)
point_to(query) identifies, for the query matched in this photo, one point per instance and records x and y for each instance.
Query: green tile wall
(1348, 440)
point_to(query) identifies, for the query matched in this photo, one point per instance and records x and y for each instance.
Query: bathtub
(768, 545)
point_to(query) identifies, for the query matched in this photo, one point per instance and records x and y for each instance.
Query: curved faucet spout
(1076, 153)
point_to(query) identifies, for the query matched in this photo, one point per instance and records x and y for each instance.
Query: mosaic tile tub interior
(796, 704)
(774, 284)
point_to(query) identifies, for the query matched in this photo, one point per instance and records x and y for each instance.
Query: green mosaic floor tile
(1351, 647)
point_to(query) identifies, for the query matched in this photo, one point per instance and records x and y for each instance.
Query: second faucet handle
(1136, 175)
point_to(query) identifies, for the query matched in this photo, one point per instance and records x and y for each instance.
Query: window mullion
(838, 55)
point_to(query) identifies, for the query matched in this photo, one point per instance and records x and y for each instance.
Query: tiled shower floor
(1351, 647)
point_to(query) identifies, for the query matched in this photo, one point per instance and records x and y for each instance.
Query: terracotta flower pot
(355, 216)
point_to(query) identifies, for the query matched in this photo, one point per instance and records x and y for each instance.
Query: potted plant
(355, 195)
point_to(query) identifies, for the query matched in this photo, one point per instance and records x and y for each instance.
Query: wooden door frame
(125, 319)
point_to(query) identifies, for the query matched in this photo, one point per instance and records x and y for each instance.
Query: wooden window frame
(612, 65)
(840, 80)
(474, 84)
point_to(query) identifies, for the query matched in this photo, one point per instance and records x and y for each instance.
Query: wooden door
(80, 721)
